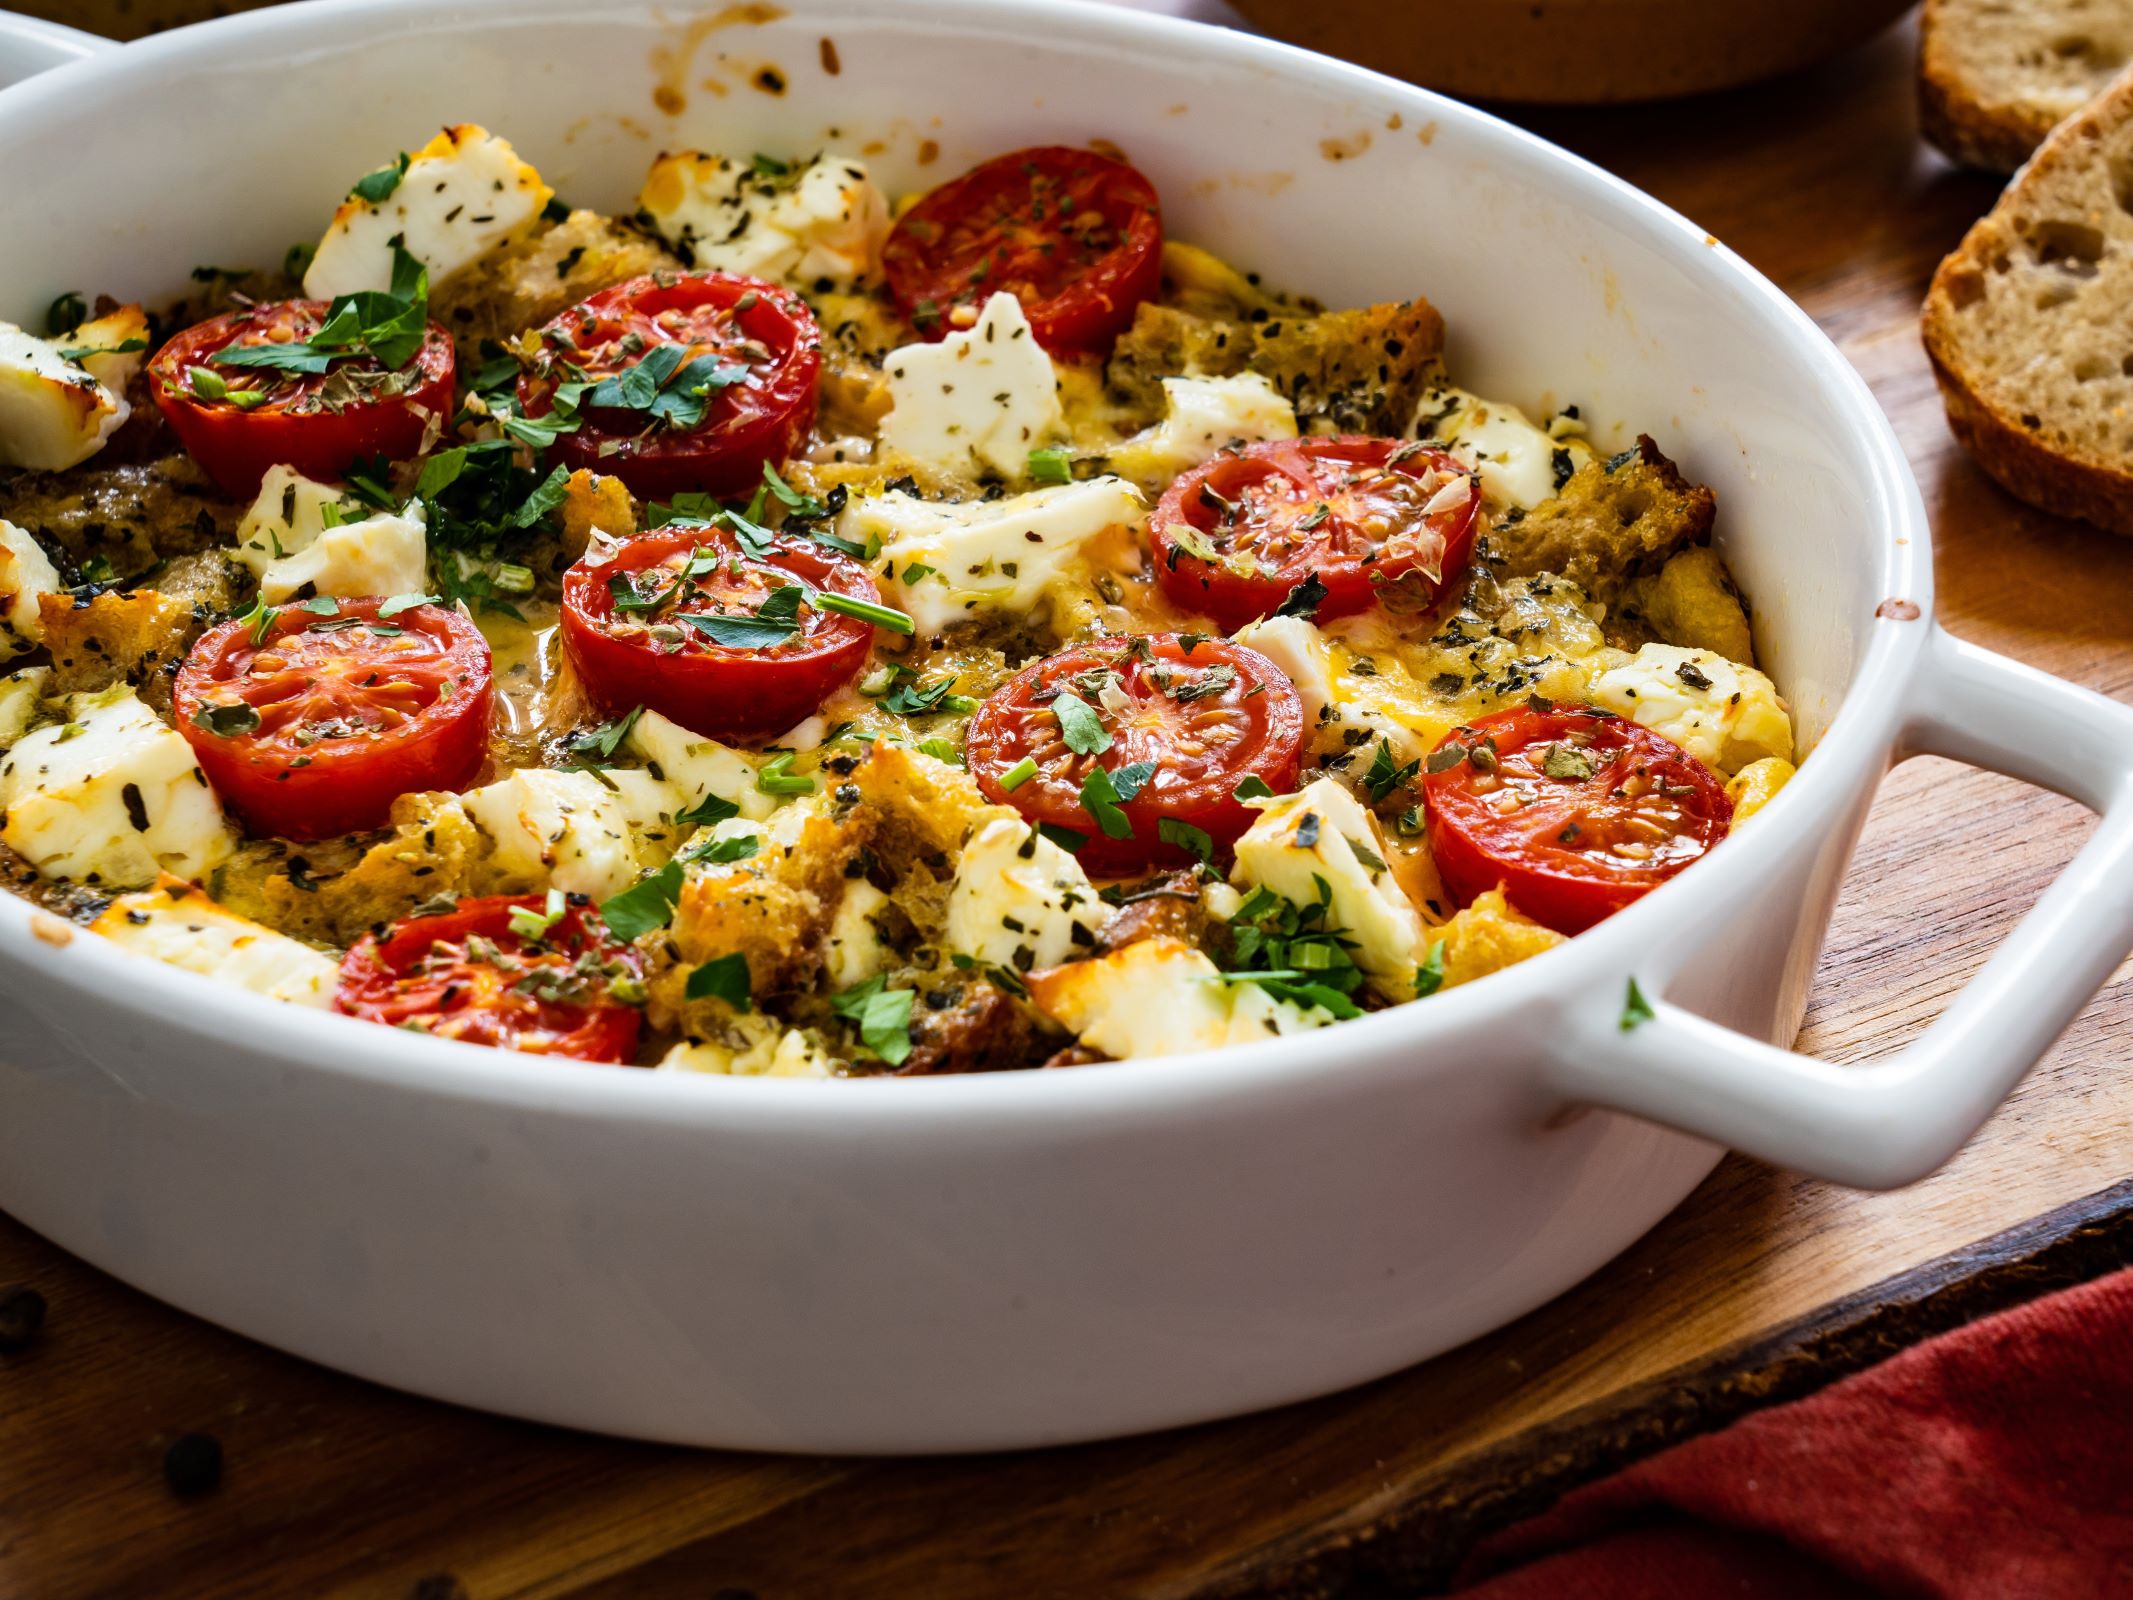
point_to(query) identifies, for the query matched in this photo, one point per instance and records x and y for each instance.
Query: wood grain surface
(333, 1487)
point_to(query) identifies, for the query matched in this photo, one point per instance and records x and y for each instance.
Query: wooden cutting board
(1761, 1286)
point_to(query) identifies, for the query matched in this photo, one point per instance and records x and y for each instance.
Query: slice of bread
(1995, 76)
(2029, 324)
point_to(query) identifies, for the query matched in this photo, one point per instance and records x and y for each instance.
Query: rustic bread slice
(1996, 76)
(2029, 324)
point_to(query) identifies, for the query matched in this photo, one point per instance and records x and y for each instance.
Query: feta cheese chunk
(1724, 714)
(1520, 464)
(20, 692)
(975, 401)
(53, 413)
(817, 228)
(1019, 901)
(111, 796)
(176, 923)
(288, 543)
(567, 830)
(1161, 997)
(1204, 416)
(463, 196)
(1323, 836)
(942, 561)
(26, 576)
(110, 348)
(696, 766)
(755, 1047)
(1295, 645)
(856, 947)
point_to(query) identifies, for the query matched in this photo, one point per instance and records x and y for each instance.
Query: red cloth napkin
(1993, 1461)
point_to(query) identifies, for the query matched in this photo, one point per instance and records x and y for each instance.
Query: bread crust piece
(1963, 127)
(1995, 79)
(2007, 443)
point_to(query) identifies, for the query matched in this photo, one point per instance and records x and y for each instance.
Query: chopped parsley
(389, 326)
(226, 722)
(1429, 977)
(1193, 841)
(1386, 775)
(1080, 727)
(725, 978)
(375, 187)
(882, 1015)
(645, 907)
(1051, 466)
(1303, 600)
(1636, 1010)
(777, 777)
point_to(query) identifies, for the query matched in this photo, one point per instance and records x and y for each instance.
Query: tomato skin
(235, 446)
(420, 973)
(1241, 733)
(723, 692)
(1002, 225)
(764, 418)
(419, 735)
(1374, 544)
(1570, 883)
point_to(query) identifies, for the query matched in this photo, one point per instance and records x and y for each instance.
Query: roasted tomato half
(526, 972)
(237, 421)
(1114, 740)
(1574, 813)
(728, 644)
(312, 719)
(695, 380)
(1075, 236)
(1325, 527)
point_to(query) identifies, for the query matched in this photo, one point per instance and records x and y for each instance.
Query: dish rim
(1851, 754)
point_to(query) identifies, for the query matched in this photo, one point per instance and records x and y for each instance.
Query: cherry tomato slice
(1352, 520)
(676, 621)
(311, 724)
(754, 347)
(471, 974)
(1190, 723)
(1075, 236)
(319, 423)
(1574, 813)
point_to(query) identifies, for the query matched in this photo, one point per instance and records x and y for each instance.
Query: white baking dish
(1025, 1258)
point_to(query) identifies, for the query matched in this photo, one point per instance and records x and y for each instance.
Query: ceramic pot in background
(1576, 52)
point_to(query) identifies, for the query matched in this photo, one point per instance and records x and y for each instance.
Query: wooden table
(1761, 1286)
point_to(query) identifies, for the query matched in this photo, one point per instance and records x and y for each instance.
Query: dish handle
(30, 45)
(1890, 1122)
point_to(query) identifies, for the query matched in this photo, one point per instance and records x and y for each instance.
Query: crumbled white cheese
(1724, 714)
(20, 692)
(287, 541)
(1520, 464)
(53, 412)
(758, 1047)
(1161, 997)
(564, 829)
(26, 573)
(1204, 415)
(464, 195)
(856, 947)
(943, 561)
(111, 796)
(1322, 835)
(819, 228)
(697, 766)
(100, 346)
(984, 398)
(176, 923)
(1019, 901)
